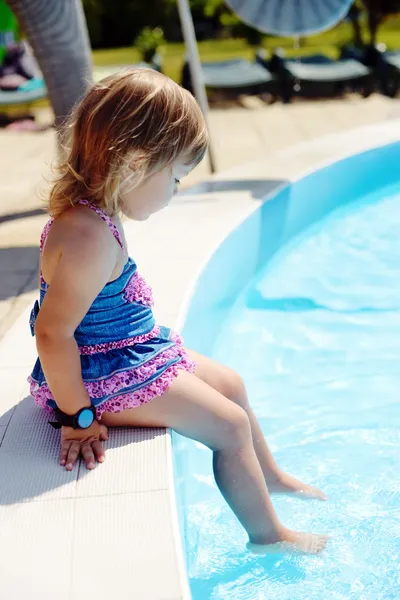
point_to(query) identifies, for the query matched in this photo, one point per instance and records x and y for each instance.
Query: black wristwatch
(80, 420)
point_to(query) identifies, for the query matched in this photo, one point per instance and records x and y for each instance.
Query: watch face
(85, 418)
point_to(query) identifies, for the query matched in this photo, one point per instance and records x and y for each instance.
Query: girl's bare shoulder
(77, 235)
(79, 223)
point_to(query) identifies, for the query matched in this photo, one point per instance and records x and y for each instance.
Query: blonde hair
(127, 127)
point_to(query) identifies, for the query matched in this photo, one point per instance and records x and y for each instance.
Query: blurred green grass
(328, 43)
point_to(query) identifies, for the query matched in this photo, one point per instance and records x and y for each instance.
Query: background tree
(114, 23)
(354, 16)
(377, 11)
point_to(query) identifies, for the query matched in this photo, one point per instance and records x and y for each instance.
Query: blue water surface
(316, 336)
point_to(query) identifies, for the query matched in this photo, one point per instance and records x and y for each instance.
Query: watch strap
(65, 420)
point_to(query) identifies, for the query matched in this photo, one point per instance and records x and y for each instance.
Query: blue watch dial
(85, 418)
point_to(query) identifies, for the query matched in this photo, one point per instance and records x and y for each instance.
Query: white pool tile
(124, 548)
(29, 466)
(35, 551)
(27, 413)
(18, 348)
(135, 461)
(13, 385)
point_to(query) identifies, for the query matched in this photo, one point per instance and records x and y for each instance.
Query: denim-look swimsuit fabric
(126, 358)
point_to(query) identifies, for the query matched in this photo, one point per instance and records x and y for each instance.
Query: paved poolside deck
(52, 523)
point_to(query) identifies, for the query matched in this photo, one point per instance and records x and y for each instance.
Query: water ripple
(321, 333)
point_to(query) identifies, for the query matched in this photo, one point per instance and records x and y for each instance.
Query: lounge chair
(236, 76)
(386, 67)
(32, 91)
(21, 81)
(35, 89)
(314, 59)
(393, 58)
(319, 75)
(384, 64)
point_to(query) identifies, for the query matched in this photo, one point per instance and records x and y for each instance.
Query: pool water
(316, 336)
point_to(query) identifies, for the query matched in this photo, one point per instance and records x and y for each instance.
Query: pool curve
(251, 246)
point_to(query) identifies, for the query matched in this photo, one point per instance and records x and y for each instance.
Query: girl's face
(154, 193)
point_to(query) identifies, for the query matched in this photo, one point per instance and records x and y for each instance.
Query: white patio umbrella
(291, 17)
(280, 17)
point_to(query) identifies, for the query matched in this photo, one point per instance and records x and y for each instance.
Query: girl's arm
(88, 258)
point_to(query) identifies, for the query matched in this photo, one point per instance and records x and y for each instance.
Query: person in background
(57, 32)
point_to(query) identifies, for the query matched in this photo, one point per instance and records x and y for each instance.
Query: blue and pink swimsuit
(126, 358)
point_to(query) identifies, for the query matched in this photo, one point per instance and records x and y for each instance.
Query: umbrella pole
(196, 72)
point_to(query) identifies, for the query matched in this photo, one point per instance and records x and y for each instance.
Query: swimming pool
(310, 286)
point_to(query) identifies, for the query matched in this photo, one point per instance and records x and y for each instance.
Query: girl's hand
(87, 442)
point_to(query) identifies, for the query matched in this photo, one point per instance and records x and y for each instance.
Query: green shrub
(149, 41)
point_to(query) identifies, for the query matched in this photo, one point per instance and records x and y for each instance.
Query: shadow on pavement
(29, 455)
(259, 188)
(18, 270)
(21, 215)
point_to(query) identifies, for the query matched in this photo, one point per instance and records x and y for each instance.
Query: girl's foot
(292, 542)
(287, 484)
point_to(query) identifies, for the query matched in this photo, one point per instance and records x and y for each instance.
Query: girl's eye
(177, 181)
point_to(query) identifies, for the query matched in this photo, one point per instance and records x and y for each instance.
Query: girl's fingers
(64, 452)
(88, 455)
(103, 433)
(90, 446)
(73, 454)
(98, 451)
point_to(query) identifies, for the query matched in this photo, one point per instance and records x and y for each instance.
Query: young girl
(104, 362)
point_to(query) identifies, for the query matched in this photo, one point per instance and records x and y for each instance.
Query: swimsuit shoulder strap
(96, 209)
(43, 238)
(44, 234)
(112, 227)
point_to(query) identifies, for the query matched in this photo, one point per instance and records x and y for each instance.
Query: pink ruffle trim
(155, 389)
(42, 242)
(176, 338)
(45, 233)
(119, 381)
(137, 290)
(138, 339)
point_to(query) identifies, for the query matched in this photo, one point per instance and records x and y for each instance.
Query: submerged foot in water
(287, 484)
(292, 542)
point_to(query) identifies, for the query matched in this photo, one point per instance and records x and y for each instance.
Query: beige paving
(240, 135)
(24, 163)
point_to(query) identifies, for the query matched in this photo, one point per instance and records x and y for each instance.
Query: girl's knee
(235, 389)
(236, 429)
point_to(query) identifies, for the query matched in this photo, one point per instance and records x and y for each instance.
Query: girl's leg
(229, 384)
(196, 410)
